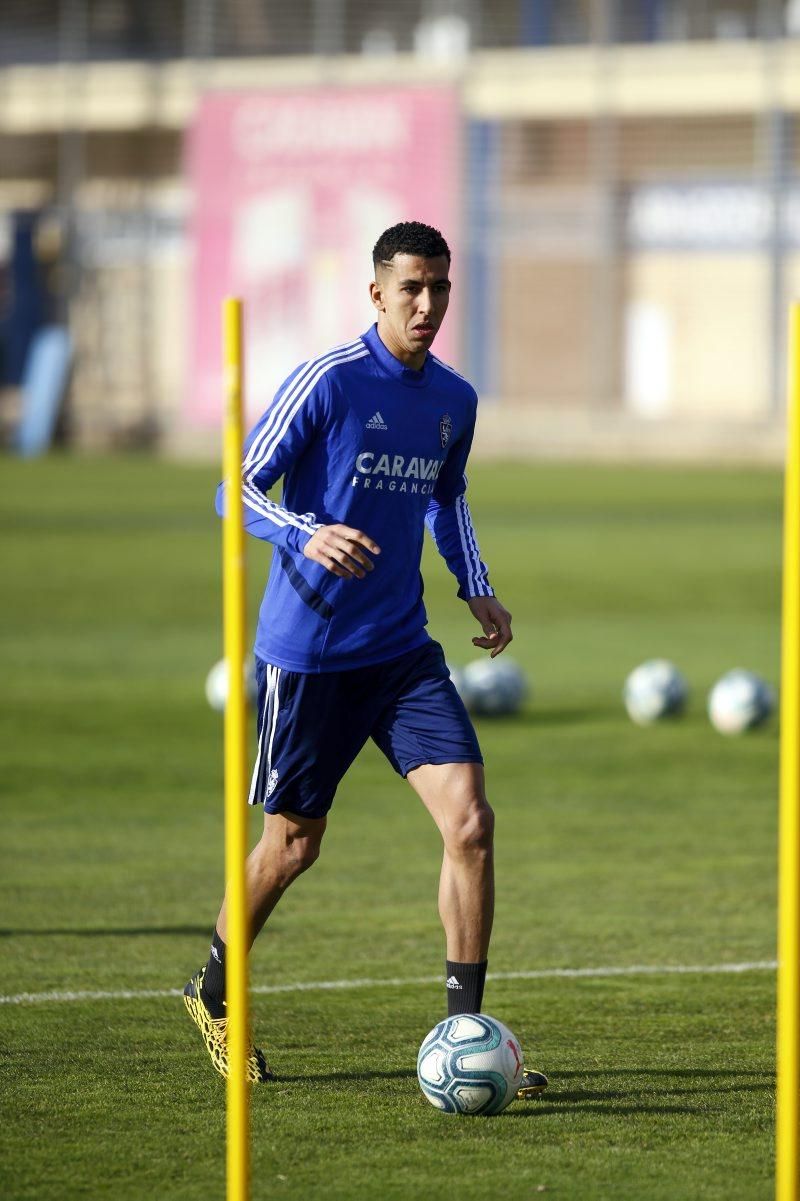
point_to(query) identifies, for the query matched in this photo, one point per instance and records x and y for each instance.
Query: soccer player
(372, 439)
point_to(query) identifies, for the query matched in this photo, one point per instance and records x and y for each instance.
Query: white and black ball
(217, 685)
(470, 1064)
(457, 676)
(740, 700)
(654, 690)
(494, 687)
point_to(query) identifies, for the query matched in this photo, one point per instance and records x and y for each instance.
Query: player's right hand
(342, 550)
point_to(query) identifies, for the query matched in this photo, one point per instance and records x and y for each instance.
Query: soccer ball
(217, 685)
(739, 701)
(653, 690)
(457, 676)
(493, 687)
(470, 1064)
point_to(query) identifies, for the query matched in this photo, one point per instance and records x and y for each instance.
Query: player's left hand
(495, 622)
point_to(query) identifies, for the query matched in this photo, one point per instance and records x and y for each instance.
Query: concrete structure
(632, 211)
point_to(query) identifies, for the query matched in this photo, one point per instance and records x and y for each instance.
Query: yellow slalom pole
(787, 1179)
(238, 1097)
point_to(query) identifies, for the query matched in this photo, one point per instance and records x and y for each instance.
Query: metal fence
(53, 30)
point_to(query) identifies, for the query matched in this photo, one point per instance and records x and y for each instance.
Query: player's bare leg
(455, 797)
(288, 846)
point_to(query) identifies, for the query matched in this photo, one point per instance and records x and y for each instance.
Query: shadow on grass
(675, 1082)
(109, 932)
(670, 1073)
(533, 1109)
(618, 1101)
(344, 1077)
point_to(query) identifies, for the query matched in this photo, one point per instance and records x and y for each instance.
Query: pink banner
(291, 191)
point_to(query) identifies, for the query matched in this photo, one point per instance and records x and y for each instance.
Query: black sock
(465, 983)
(213, 991)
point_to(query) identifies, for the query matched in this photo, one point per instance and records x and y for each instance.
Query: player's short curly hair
(410, 237)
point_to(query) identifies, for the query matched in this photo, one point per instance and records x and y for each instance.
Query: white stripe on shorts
(266, 737)
(252, 798)
(276, 704)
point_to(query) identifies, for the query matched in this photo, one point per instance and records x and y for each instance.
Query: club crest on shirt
(445, 429)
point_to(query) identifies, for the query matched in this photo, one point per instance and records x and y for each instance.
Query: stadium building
(619, 178)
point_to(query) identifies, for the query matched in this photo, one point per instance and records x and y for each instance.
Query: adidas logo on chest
(376, 422)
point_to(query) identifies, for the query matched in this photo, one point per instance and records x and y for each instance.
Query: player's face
(411, 295)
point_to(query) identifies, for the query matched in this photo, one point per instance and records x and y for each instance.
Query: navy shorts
(311, 727)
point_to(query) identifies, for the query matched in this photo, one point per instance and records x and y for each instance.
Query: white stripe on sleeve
(314, 368)
(289, 412)
(274, 512)
(478, 584)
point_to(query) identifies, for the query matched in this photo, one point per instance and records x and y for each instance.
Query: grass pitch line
(556, 973)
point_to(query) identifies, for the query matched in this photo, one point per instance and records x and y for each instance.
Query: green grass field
(617, 846)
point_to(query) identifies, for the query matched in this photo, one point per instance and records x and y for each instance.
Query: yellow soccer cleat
(214, 1030)
(533, 1083)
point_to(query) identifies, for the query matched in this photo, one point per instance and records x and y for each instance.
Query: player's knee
(473, 833)
(287, 849)
(302, 853)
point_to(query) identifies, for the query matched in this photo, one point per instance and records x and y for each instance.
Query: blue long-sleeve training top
(367, 442)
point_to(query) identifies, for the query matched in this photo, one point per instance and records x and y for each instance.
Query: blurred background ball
(739, 701)
(654, 690)
(457, 676)
(493, 687)
(217, 685)
(470, 1064)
